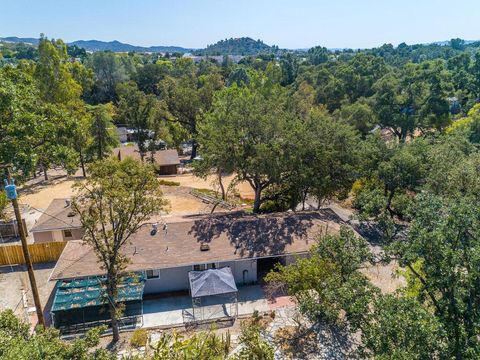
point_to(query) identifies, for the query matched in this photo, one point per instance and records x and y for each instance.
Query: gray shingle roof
(57, 216)
(229, 236)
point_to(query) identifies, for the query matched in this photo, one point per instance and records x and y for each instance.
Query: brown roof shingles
(58, 215)
(230, 236)
(161, 157)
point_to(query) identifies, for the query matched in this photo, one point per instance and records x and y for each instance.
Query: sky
(288, 24)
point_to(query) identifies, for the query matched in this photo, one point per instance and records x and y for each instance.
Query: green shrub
(205, 191)
(17, 342)
(3, 205)
(168, 182)
(139, 338)
(201, 345)
(255, 346)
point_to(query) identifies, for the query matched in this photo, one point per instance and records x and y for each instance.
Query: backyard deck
(177, 310)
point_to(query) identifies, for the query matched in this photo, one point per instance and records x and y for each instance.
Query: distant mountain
(97, 45)
(233, 46)
(14, 39)
(117, 46)
(238, 46)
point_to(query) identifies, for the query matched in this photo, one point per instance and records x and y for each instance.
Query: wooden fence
(39, 253)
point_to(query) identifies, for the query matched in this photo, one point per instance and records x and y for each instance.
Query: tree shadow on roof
(262, 235)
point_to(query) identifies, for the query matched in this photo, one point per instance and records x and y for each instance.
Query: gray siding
(173, 279)
(238, 267)
(176, 279)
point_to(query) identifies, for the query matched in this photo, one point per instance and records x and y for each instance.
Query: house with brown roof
(165, 253)
(237, 249)
(57, 223)
(167, 161)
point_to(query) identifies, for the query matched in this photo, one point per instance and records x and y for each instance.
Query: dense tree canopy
(395, 131)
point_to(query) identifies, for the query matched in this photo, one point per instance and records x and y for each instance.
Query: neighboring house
(167, 161)
(57, 223)
(125, 134)
(122, 134)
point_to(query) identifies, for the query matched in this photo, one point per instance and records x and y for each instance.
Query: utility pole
(11, 191)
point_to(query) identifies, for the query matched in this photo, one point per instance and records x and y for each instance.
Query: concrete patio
(177, 310)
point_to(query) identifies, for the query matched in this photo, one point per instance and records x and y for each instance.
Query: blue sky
(289, 24)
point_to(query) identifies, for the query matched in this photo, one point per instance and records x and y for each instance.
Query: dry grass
(383, 276)
(244, 189)
(294, 340)
(41, 196)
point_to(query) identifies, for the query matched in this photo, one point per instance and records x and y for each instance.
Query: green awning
(81, 293)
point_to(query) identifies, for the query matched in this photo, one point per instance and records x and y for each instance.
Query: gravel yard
(14, 282)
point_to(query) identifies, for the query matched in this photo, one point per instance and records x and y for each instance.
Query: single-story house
(166, 160)
(57, 223)
(165, 254)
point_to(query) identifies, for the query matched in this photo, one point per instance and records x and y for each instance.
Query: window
(67, 233)
(153, 274)
(199, 267)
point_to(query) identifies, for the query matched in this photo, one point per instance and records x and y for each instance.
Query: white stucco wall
(176, 279)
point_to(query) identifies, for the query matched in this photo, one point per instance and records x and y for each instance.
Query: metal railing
(126, 322)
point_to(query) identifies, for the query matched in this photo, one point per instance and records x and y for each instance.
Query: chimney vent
(154, 229)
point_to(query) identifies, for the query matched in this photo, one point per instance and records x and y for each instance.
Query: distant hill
(233, 46)
(14, 39)
(238, 46)
(97, 45)
(117, 46)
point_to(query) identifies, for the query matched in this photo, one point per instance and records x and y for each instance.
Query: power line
(43, 212)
